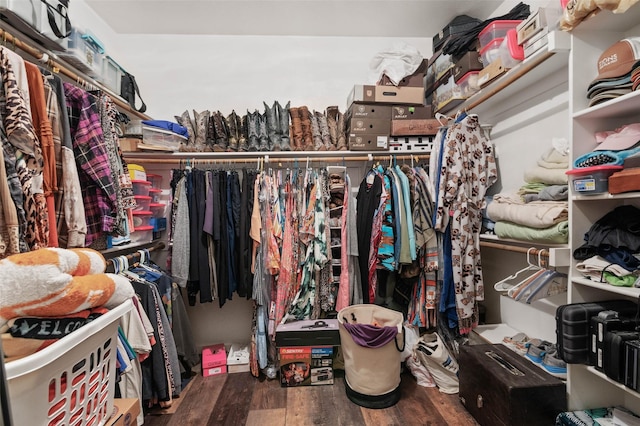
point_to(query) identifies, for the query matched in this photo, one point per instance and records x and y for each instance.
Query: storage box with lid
(85, 52)
(214, 360)
(155, 179)
(156, 195)
(496, 29)
(71, 381)
(156, 136)
(111, 74)
(141, 218)
(143, 203)
(592, 180)
(141, 235)
(238, 358)
(157, 209)
(141, 187)
(367, 142)
(469, 84)
(510, 51)
(491, 52)
(448, 95)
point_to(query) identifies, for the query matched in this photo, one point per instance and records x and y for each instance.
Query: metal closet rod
(274, 159)
(135, 254)
(56, 67)
(517, 249)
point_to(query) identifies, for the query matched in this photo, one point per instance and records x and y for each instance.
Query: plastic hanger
(505, 283)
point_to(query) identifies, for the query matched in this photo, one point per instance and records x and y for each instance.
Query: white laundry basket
(72, 381)
(372, 375)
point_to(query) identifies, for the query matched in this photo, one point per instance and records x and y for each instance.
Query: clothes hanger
(505, 284)
(538, 271)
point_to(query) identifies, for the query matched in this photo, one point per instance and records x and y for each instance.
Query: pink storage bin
(142, 203)
(155, 195)
(510, 52)
(141, 235)
(141, 187)
(157, 209)
(156, 180)
(494, 30)
(142, 218)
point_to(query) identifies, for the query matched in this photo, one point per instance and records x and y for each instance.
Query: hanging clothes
(368, 200)
(467, 172)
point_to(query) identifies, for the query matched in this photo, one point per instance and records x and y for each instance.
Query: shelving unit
(587, 387)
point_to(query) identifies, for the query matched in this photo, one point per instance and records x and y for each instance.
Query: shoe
(318, 144)
(201, 124)
(234, 124)
(305, 122)
(296, 129)
(554, 365)
(273, 127)
(283, 123)
(517, 343)
(221, 132)
(536, 349)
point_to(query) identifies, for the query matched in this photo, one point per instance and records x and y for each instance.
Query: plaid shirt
(94, 171)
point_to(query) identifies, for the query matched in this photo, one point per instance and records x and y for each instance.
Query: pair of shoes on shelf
(546, 355)
(517, 343)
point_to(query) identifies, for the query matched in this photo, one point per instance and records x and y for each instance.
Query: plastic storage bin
(510, 52)
(141, 187)
(494, 30)
(447, 93)
(158, 209)
(491, 52)
(74, 378)
(133, 128)
(84, 51)
(136, 172)
(163, 138)
(142, 235)
(156, 180)
(143, 203)
(468, 83)
(592, 180)
(111, 74)
(142, 218)
(156, 195)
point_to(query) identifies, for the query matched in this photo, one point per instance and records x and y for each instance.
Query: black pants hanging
(244, 245)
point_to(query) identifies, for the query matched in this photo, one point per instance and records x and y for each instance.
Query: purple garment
(371, 336)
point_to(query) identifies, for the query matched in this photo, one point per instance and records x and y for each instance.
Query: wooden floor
(240, 399)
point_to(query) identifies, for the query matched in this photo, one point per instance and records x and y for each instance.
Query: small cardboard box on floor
(306, 351)
(125, 412)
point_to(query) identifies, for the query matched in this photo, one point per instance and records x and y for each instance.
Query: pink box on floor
(214, 360)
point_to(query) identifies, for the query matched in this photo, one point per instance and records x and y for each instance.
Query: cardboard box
(366, 142)
(414, 80)
(306, 366)
(214, 356)
(365, 125)
(491, 72)
(386, 95)
(369, 110)
(214, 371)
(411, 112)
(238, 358)
(417, 127)
(308, 333)
(125, 413)
(470, 61)
(412, 144)
(129, 144)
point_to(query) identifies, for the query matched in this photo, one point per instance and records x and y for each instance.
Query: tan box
(411, 112)
(129, 144)
(386, 95)
(126, 411)
(414, 127)
(366, 142)
(369, 126)
(369, 110)
(471, 61)
(491, 72)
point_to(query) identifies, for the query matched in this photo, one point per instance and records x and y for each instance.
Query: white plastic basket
(71, 382)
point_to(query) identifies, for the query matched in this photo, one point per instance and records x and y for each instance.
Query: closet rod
(135, 254)
(274, 159)
(56, 67)
(517, 249)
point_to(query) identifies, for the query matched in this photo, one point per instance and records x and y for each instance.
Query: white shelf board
(606, 196)
(548, 60)
(603, 376)
(494, 333)
(623, 291)
(608, 21)
(622, 106)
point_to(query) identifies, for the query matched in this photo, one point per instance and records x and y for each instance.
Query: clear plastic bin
(468, 83)
(143, 203)
(111, 74)
(494, 30)
(156, 195)
(491, 52)
(85, 52)
(510, 52)
(136, 172)
(158, 209)
(446, 93)
(141, 187)
(141, 235)
(160, 137)
(592, 180)
(156, 180)
(142, 218)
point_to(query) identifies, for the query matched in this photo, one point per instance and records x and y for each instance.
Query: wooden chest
(500, 387)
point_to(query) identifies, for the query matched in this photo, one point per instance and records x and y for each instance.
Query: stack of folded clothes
(618, 71)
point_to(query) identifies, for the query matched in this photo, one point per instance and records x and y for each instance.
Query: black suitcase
(573, 326)
(632, 364)
(614, 365)
(500, 387)
(601, 324)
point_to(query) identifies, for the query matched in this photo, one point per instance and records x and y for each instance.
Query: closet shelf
(623, 291)
(559, 254)
(59, 66)
(548, 60)
(129, 248)
(603, 376)
(607, 196)
(623, 106)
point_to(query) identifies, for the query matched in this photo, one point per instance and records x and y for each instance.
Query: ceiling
(340, 18)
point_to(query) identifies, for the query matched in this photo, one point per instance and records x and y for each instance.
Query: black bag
(129, 90)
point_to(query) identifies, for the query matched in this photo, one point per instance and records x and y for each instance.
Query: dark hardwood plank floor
(240, 399)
